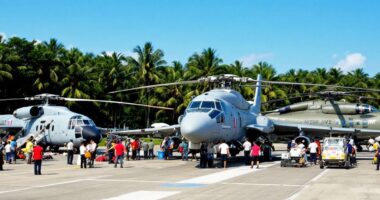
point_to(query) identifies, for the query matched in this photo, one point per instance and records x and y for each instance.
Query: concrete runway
(176, 179)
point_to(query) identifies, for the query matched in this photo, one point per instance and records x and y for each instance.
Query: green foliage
(28, 68)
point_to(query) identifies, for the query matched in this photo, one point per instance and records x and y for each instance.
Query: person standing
(111, 150)
(203, 162)
(185, 149)
(313, 147)
(150, 149)
(82, 152)
(247, 149)
(119, 153)
(70, 152)
(37, 157)
(138, 155)
(13, 150)
(29, 151)
(255, 153)
(8, 152)
(145, 148)
(224, 153)
(377, 155)
(134, 146)
(1, 155)
(92, 149)
(127, 148)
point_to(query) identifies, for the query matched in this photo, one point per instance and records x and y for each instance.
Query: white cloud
(255, 58)
(4, 35)
(132, 54)
(351, 61)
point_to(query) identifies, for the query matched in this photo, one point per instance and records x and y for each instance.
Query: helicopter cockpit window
(86, 122)
(195, 104)
(218, 105)
(208, 104)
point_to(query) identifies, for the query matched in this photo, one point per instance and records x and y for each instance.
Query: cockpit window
(218, 106)
(195, 104)
(214, 113)
(208, 104)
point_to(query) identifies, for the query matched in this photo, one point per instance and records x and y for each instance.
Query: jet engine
(28, 112)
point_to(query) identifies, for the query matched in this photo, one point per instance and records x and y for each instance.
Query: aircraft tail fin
(256, 107)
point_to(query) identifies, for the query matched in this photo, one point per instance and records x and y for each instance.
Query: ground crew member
(37, 157)
(247, 149)
(70, 152)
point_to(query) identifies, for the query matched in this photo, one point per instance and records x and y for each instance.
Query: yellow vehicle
(334, 153)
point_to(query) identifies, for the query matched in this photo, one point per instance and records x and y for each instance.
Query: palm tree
(146, 65)
(47, 62)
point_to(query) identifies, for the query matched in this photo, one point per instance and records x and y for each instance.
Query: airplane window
(220, 119)
(52, 128)
(208, 104)
(214, 113)
(195, 104)
(36, 128)
(40, 127)
(218, 106)
(80, 122)
(86, 122)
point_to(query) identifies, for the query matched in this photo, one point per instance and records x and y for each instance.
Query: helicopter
(223, 113)
(321, 117)
(52, 125)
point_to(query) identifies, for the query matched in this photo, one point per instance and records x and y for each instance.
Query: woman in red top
(255, 153)
(37, 157)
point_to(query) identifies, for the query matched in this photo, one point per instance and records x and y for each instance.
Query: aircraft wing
(315, 129)
(159, 131)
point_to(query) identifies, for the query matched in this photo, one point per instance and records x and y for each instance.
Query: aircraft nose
(197, 127)
(91, 133)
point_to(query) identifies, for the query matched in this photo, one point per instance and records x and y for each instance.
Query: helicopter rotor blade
(157, 85)
(115, 102)
(16, 99)
(316, 84)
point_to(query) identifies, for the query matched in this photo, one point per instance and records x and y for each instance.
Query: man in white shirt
(313, 147)
(70, 152)
(224, 153)
(93, 153)
(247, 149)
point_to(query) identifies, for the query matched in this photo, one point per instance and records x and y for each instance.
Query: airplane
(223, 113)
(318, 118)
(52, 125)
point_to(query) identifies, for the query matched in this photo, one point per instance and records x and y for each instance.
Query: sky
(299, 34)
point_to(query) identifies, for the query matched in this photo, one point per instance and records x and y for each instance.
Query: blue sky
(286, 33)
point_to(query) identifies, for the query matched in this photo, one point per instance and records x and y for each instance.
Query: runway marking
(145, 195)
(264, 184)
(125, 180)
(53, 184)
(224, 175)
(42, 186)
(307, 184)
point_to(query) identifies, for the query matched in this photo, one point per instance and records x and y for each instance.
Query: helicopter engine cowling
(301, 138)
(349, 109)
(28, 112)
(295, 107)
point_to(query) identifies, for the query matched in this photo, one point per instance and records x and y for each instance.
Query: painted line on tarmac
(51, 185)
(31, 171)
(125, 180)
(264, 184)
(225, 174)
(307, 184)
(42, 186)
(145, 195)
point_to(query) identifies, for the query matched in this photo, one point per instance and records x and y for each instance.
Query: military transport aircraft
(223, 113)
(52, 125)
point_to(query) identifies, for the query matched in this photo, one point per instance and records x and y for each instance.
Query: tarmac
(177, 179)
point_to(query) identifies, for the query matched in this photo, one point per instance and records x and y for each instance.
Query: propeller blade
(157, 85)
(16, 99)
(117, 102)
(320, 85)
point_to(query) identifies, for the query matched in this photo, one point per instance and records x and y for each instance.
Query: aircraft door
(78, 132)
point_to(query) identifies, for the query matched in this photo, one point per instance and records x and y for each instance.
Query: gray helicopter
(52, 125)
